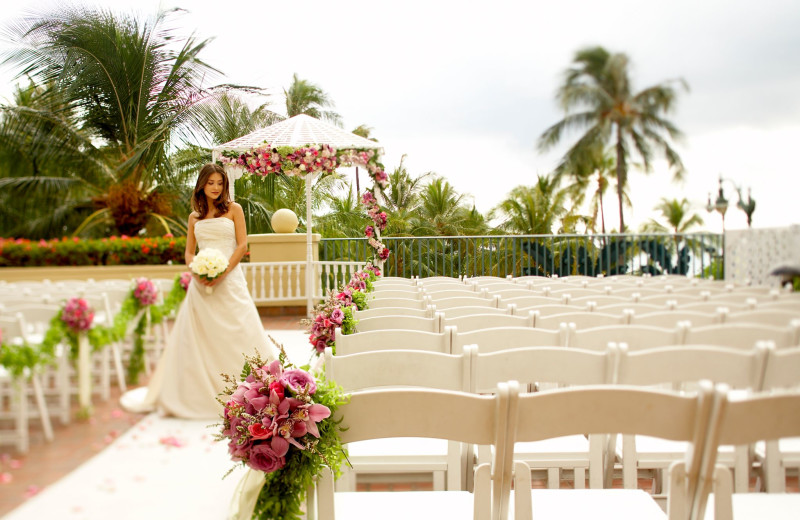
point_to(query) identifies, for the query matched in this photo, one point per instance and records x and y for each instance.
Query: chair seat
(571, 448)
(758, 506)
(653, 449)
(597, 504)
(402, 505)
(410, 452)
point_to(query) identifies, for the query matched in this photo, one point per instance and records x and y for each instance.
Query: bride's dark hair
(199, 201)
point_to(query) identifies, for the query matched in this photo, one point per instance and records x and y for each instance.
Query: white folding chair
(402, 368)
(782, 374)
(380, 294)
(391, 339)
(15, 391)
(535, 365)
(462, 417)
(683, 366)
(604, 410)
(760, 418)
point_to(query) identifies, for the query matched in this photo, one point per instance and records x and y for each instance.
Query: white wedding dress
(211, 334)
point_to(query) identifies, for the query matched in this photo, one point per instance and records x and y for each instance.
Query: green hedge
(123, 250)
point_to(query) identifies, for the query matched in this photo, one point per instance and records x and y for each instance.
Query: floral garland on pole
(337, 311)
(21, 358)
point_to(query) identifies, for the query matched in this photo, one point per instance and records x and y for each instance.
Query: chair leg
(105, 374)
(553, 478)
(20, 414)
(774, 472)
(44, 415)
(579, 478)
(65, 392)
(116, 355)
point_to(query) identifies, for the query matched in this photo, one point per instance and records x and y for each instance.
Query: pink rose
(297, 380)
(262, 458)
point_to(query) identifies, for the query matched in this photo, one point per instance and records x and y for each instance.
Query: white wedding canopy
(297, 131)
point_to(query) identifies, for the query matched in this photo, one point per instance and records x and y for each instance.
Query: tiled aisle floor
(22, 476)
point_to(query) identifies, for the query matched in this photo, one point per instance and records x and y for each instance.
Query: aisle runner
(162, 467)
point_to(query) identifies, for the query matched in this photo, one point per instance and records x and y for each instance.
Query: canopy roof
(297, 131)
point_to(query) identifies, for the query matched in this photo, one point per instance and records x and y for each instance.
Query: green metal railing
(691, 254)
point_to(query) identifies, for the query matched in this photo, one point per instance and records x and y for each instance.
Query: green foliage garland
(16, 358)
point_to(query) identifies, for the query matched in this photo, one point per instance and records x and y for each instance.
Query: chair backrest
(636, 336)
(487, 321)
(401, 322)
(671, 318)
(550, 309)
(510, 291)
(455, 416)
(392, 311)
(437, 296)
(12, 328)
(36, 317)
(783, 369)
(582, 320)
(692, 363)
(465, 301)
(380, 294)
(411, 303)
(779, 317)
(470, 310)
(742, 335)
(600, 300)
(529, 365)
(390, 339)
(392, 368)
(532, 301)
(680, 299)
(504, 338)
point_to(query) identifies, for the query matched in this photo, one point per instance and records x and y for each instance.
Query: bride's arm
(191, 240)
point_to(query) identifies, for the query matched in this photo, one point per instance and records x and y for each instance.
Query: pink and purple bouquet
(78, 315)
(145, 291)
(277, 416)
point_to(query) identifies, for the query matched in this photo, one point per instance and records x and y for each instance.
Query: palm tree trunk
(620, 176)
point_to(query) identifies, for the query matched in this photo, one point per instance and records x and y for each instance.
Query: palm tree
(532, 210)
(441, 210)
(597, 89)
(677, 215)
(304, 97)
(128, 84)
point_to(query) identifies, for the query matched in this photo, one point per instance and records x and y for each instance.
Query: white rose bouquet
(208, 264)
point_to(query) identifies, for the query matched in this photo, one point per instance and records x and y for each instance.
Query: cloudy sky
(464, 89)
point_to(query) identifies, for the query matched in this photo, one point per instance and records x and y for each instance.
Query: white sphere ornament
(284, 221)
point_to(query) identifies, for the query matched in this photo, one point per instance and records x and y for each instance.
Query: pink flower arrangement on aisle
(145, 291)
(276, 416)
(78, 315)
(185, 280)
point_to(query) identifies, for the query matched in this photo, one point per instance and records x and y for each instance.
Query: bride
(212, 330)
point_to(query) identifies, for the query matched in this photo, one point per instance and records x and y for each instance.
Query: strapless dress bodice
(218, 233)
